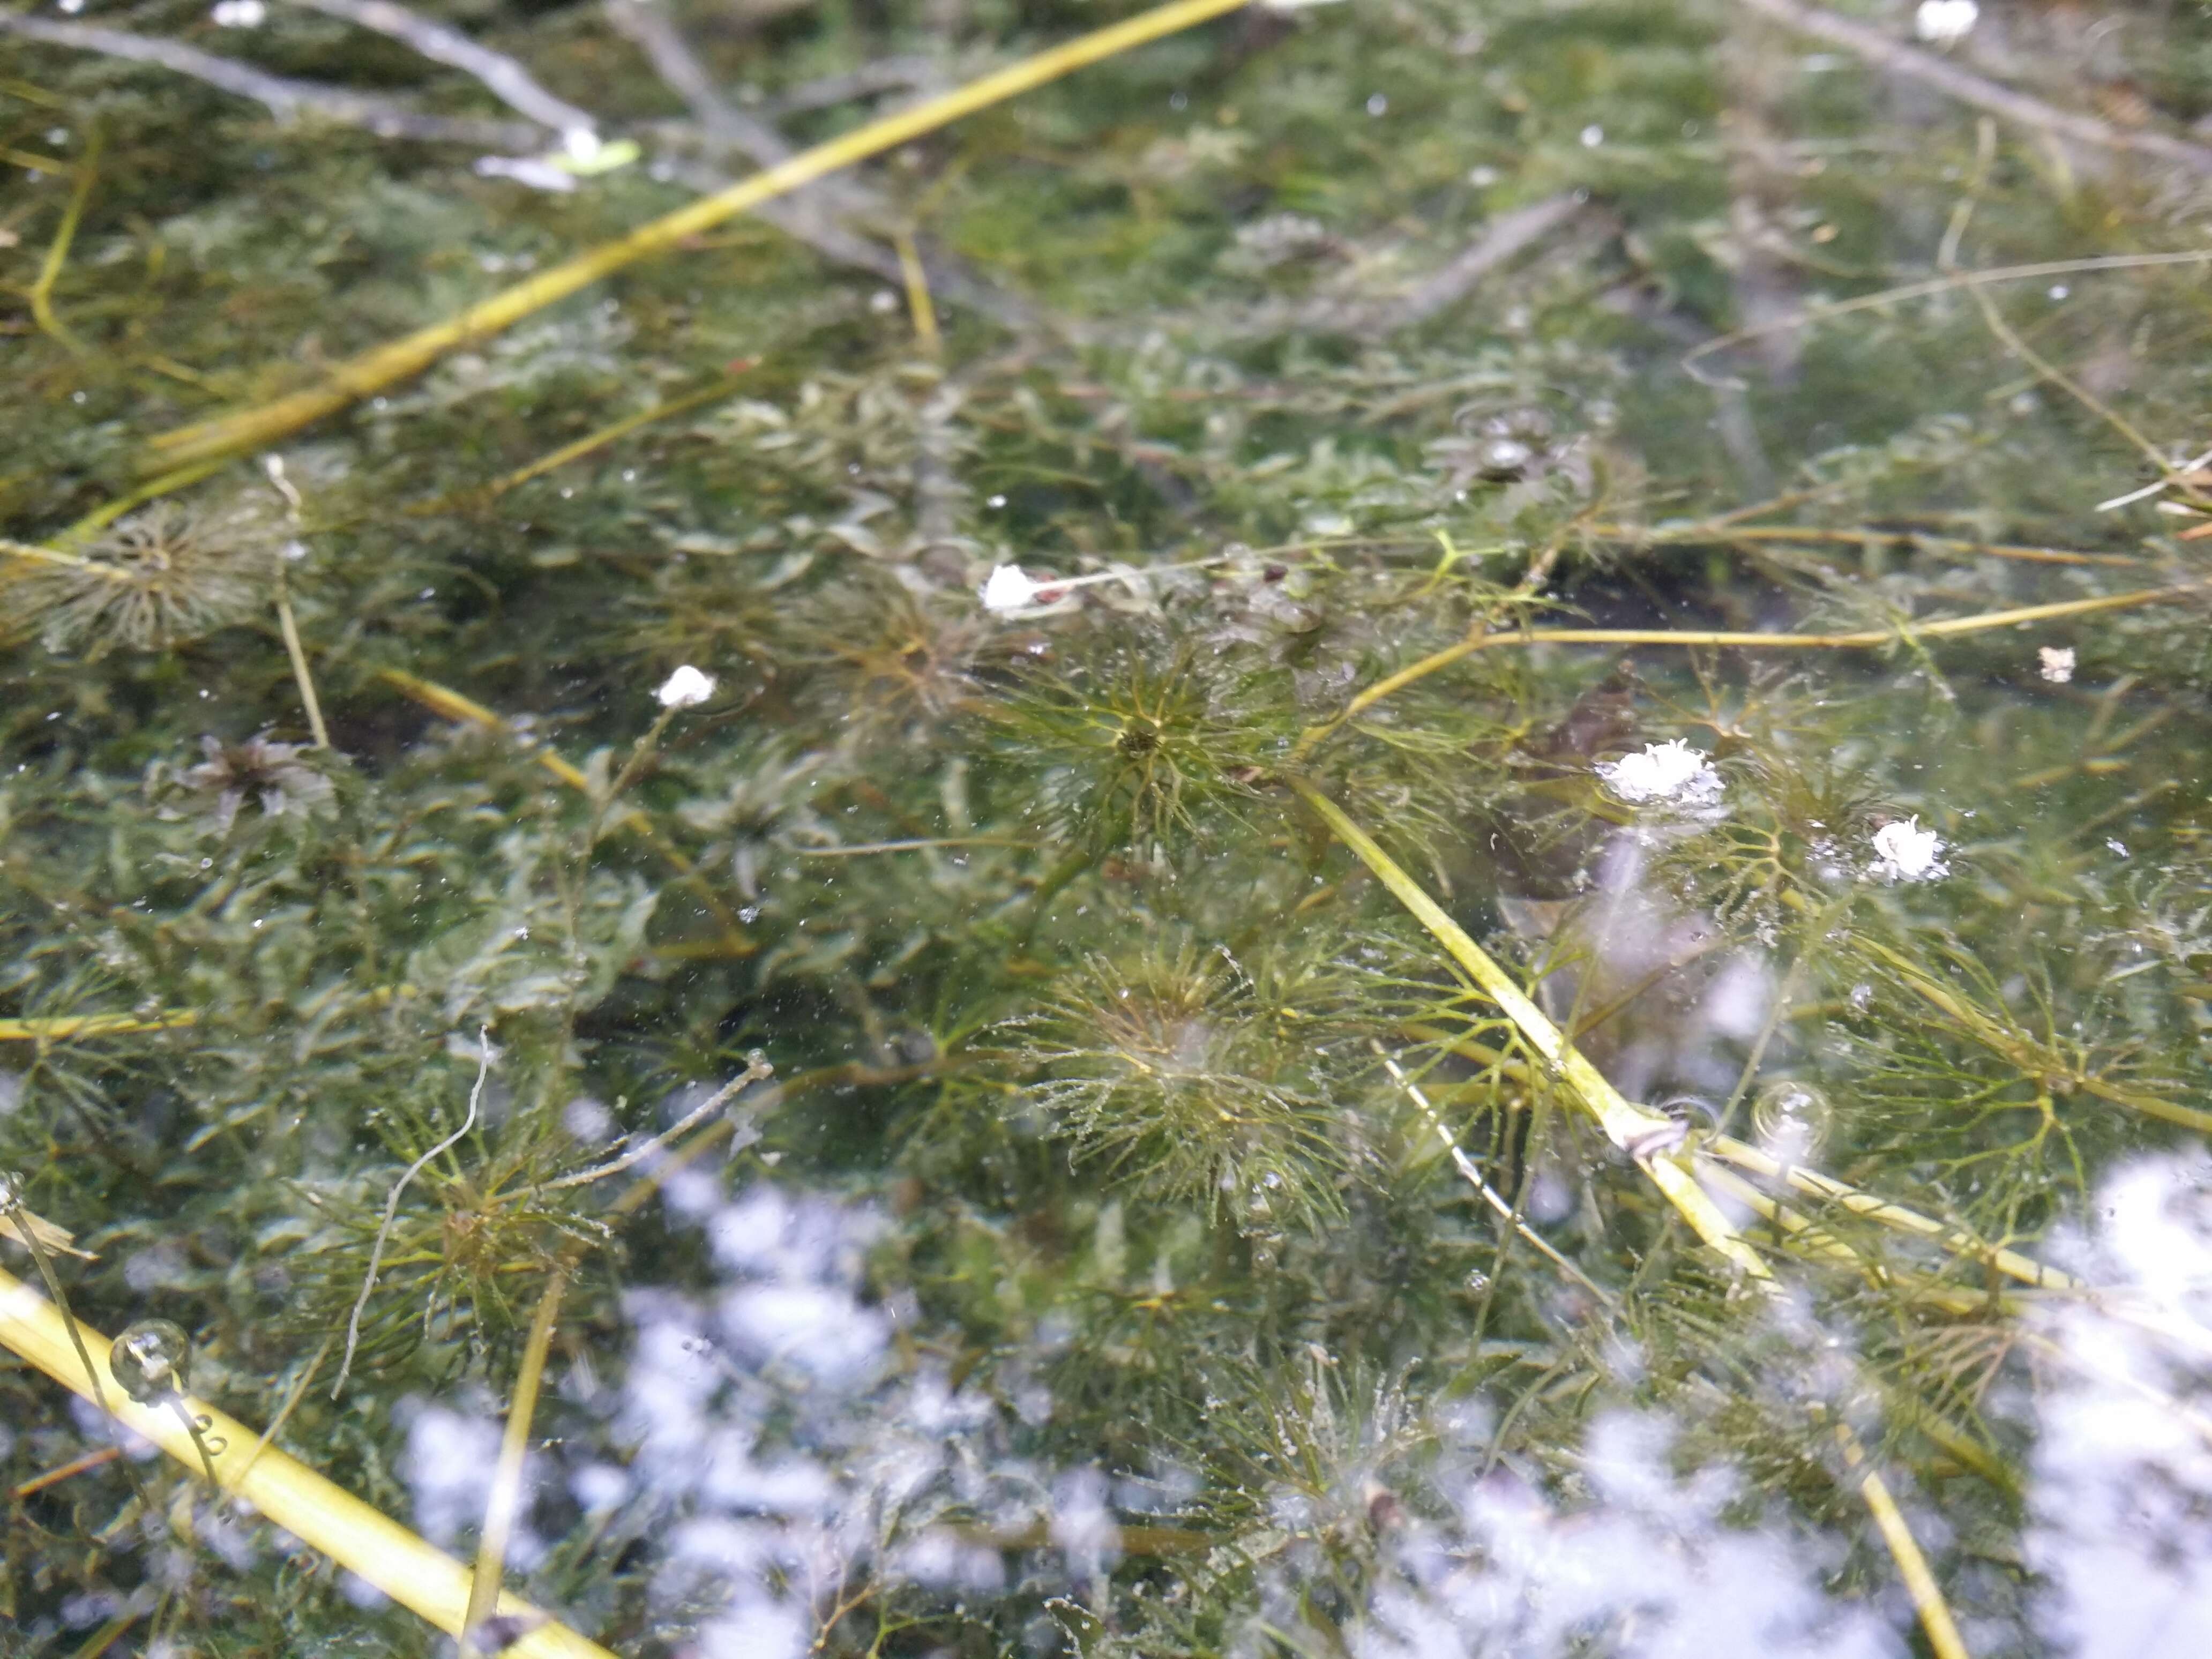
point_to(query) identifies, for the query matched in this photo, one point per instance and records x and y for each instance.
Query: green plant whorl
(1190, 1081)
(1140, 747)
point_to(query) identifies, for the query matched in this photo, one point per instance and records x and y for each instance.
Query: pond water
(1382, 833)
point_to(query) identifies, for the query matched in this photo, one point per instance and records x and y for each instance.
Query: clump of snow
(2057, 663)
(1945, 22)
(687, 688)
(1905, 852)
(1008, 590)
(1670, 771)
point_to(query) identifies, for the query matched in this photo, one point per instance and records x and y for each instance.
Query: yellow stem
(507, 1479)
(1480, 639)
(291, 1495)
(42, 290)
(373, 371)
(918, 305)
(57, 1029)
(1912, 1566)
(1624, 1124)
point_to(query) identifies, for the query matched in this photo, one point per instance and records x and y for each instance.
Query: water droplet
(149, 1359)
(1478, 1281)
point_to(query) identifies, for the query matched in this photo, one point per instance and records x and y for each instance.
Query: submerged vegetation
(1383, 834)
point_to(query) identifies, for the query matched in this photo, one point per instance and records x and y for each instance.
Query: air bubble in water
(149, 1359)
(1792, 1120)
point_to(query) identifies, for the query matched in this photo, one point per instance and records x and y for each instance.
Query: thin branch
(57, 260)
(884, 75)
(391, 1207)
(500, 75)
(1928, 287)
(1886, 52)
(756, 1070)
(812, 215)
(284, 98)
(1489, 1194)
(1500, 240)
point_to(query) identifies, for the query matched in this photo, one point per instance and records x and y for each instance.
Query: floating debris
(687, 688)
(1905, 852)
(1671, 771)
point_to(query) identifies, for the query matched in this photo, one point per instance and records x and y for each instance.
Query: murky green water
(1444, 766)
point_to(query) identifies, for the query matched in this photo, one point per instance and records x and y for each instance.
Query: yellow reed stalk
(50, 271)
(1480, 638)
(506, 1478)
(1814, 1184)
(322, 1514)
(920, 307)
(1626, 1124)
(1920, 1583)
(373, 371)
(61, 1027)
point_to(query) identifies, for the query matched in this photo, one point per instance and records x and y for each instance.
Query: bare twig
(1500, 240)
(500, 76)
(884, 75)
(813, 216)
(282, 97)
(1885, 53)
(756, 1070)
(391, 1207)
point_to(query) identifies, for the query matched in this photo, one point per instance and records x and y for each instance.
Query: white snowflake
(687, 688)
(2057, 663)
(1905, 852)
(237, 14)
(1008, 590)
(1945, 22)
(1670, 771)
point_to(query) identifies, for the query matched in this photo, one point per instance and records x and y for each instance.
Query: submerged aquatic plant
(1192, 1077)
(1224, 1187)
(275, 775)
(162, 576)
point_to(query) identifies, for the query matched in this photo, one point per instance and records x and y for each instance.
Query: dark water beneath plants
(1445, 765)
